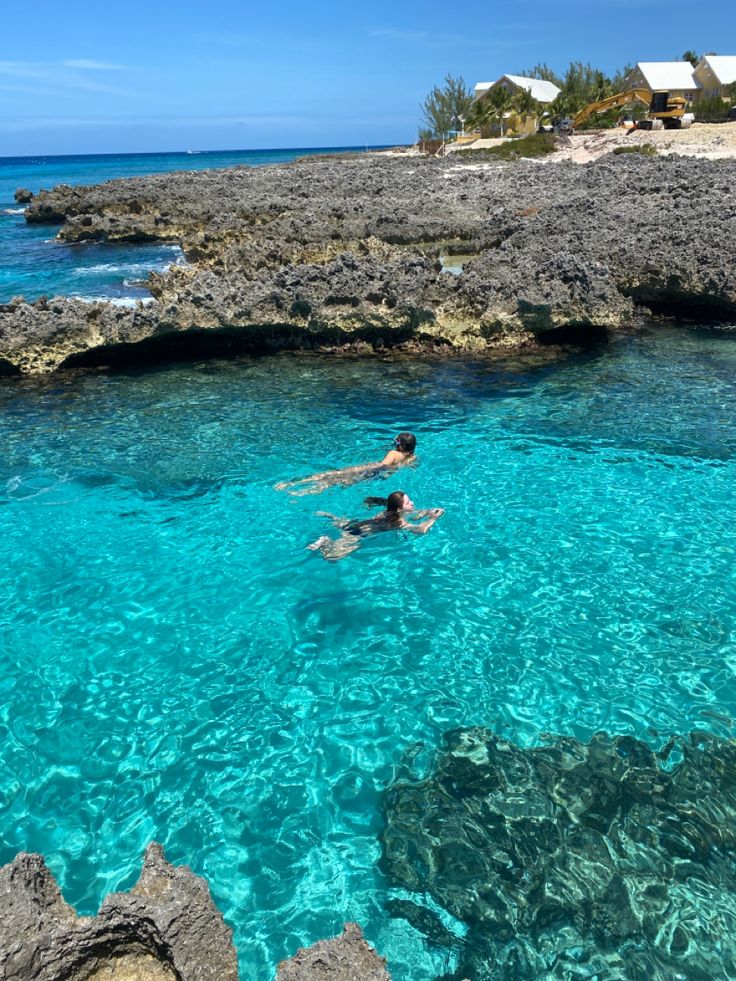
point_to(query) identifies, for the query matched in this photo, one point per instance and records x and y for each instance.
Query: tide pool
(176, 666)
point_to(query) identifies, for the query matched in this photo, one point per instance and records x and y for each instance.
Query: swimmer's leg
(322, 540)
(334, 549)
(317, 487)
(286, 484)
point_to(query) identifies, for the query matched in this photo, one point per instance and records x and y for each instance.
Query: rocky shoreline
(345, 254)
(606, 858)
(167, 928)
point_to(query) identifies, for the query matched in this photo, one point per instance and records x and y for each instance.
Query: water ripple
(176, 666)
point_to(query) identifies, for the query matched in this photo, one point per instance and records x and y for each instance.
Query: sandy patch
(709, 141)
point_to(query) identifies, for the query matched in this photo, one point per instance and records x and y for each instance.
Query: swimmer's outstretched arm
(423, 528)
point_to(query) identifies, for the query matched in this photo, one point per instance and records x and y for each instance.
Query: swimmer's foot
(319, 543)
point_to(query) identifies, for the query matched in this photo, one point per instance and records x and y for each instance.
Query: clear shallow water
(175, 665)
(32, 264)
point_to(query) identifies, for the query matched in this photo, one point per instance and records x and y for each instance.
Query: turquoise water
(176, 666)
(32, 264)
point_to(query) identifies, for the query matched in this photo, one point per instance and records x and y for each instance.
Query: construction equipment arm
(612, 102)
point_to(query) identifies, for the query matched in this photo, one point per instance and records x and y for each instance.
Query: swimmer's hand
(423, 528)
(433, 513)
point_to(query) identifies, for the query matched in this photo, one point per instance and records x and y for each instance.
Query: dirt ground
(712, 141)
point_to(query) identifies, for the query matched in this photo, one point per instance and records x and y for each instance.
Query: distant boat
(193, 151)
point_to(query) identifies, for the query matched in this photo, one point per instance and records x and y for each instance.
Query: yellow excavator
(669, 108)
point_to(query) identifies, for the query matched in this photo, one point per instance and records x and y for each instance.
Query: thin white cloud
(22, 69)
(61, 76)
(89, 64)
(27, 90)
(28, 124)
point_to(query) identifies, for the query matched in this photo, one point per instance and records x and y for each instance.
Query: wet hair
(406, 442)
(393, 503)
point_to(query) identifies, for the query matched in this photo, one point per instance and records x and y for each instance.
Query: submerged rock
(167, 928)
(567, 860)
(338, 252)
(344, 958)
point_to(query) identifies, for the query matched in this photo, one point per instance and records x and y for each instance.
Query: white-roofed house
(675, 77)
(542, 92)
(714, 73)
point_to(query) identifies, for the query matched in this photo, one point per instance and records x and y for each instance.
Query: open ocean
(176, 666)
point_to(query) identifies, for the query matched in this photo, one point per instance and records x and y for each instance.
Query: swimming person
(402, 454)
(397, 516)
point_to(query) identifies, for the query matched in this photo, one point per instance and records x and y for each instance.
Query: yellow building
(714, 73)
(542, 92)
(675, 77)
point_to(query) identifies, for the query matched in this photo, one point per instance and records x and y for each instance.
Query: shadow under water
(571, 860)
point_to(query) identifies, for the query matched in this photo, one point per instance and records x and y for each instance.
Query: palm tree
(525, 105)
(479, 115)
(559, 108)
(500, 100)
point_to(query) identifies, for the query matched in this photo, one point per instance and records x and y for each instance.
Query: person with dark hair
(401, 454)
(398, 515)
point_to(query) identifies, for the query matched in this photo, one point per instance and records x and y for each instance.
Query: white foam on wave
(113, 267)
(130, 302)
(159, 265)
(14, 211)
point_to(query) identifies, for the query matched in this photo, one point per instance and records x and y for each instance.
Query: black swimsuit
(358, 528)
(363, 527)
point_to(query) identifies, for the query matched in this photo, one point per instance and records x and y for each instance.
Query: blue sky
(86, 77)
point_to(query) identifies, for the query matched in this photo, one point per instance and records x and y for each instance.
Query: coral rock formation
(345, 252)
(165, 929)
(605, 859)
(344, 958)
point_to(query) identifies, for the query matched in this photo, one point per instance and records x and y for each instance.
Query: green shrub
(645, 149)
(711, 110)
(535, 145)
(600, 120)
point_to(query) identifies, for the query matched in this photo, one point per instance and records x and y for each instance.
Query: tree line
(451, 106)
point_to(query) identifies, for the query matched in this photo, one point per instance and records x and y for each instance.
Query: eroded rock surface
(567, 860)
(344, 252)
(167, 928)
(344, 958)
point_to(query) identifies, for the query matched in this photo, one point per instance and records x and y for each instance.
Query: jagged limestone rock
(344, 958)
(343, 253)
(167, 928)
